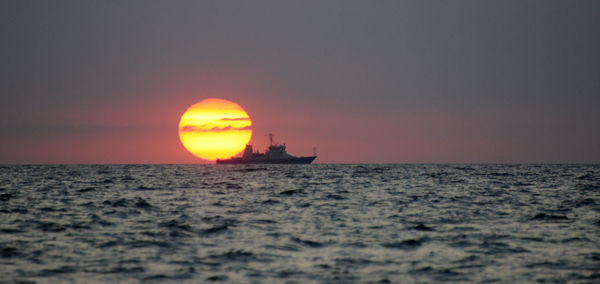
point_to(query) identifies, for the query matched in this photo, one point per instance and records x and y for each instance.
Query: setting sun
(215, 129)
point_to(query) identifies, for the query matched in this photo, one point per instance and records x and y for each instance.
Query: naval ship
(276, 154)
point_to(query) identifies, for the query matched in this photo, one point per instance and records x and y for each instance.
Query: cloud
(188, 128)
(226, 128)
(235, 119)
(66, 129)
(193, 128)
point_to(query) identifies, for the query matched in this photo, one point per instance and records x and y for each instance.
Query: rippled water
(300, 223)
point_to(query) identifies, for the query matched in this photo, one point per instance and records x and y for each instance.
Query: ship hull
(239, 161)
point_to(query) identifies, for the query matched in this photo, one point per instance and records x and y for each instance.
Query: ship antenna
(270, 139)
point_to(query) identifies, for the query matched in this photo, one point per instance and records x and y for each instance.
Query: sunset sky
(363, 81)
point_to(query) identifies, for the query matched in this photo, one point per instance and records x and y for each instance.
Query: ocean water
(300, 223)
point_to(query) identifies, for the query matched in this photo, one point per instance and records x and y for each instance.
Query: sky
(362, 81)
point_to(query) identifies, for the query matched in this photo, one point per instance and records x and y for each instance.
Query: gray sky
(364, 81)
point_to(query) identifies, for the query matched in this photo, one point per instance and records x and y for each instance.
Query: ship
(276, 154)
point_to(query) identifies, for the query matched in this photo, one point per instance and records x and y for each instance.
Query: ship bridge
(278, 152)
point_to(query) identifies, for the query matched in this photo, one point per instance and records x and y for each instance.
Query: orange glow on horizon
(215, 129)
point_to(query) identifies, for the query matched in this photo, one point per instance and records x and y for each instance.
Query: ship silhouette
(276, 154)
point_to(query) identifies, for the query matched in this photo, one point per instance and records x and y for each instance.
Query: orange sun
(215, 129)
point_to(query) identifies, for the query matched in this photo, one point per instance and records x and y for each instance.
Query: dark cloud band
(235, 119)
(192, 128)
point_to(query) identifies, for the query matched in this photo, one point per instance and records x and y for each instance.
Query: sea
(321, 223)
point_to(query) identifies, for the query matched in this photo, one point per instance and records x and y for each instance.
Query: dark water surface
(300, 223)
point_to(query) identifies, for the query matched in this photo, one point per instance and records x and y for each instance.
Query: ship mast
(270, 139)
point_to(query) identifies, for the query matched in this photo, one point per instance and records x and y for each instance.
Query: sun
(215, 129)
